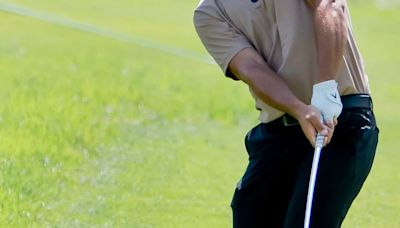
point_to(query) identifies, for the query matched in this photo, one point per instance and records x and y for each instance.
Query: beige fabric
(282, 32)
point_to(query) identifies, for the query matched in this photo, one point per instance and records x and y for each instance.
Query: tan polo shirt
(282, 32)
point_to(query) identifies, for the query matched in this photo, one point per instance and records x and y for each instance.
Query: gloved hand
(326, 98)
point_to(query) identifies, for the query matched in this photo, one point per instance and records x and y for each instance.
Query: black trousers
(273, 190)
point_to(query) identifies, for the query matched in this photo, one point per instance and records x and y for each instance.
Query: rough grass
(99, 133)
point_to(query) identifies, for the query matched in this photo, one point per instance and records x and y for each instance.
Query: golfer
(306, 74)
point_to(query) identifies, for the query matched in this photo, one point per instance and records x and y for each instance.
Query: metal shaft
(311, 185)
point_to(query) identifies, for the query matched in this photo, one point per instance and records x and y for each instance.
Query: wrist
(296, 109)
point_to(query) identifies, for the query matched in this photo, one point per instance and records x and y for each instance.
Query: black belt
(348, 101)
(357, 101)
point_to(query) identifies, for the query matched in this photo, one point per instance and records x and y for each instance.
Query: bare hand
(311, 124)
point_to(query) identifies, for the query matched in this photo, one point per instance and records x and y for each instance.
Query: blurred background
(111, 115)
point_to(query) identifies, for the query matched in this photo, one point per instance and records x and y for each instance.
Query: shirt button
(254, 0)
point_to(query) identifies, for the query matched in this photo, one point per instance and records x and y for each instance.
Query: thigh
(344, 165)
(262, 196)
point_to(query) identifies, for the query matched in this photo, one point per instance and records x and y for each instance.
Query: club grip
(319, 141)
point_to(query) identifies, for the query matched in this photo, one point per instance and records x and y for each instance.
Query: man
(304, 70)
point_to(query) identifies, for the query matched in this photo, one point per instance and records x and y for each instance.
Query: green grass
(96, 132)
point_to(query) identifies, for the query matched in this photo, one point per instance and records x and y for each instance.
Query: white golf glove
(326, 98)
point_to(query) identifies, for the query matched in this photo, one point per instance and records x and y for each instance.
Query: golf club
(319, 142)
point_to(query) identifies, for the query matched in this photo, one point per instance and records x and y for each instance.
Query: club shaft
(313, 176)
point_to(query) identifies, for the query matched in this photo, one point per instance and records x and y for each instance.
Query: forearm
(273, 91)
(331, 37)
(266, 84)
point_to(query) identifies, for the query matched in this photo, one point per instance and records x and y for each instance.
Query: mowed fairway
(97, 132)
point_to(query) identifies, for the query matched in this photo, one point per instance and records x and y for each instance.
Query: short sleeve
(221, 40)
